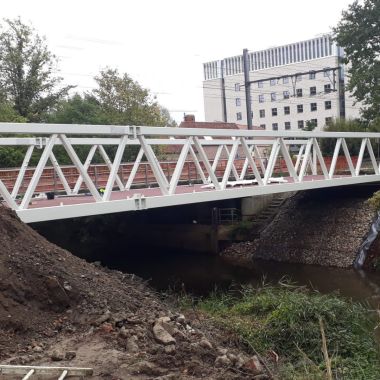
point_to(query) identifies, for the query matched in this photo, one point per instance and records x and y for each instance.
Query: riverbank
(324, 227)
(298, 333)
(56, 309)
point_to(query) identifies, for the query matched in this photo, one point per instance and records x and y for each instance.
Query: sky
(163, 43)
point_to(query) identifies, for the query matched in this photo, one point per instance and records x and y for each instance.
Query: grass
(285, 319)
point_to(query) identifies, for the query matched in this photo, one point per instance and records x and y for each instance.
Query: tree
(124, 102)
(27, 79)
(358, 33)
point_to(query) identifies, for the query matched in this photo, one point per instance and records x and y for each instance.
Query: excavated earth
(59, 310)
(323, 227)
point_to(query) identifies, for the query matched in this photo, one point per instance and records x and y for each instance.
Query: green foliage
(341, 125)
(286, 319)
(358, 33)
(310, 126)
(8, 114)
(27, 67)
(374, 201)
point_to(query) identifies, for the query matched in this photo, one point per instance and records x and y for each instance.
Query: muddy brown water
(201, 274)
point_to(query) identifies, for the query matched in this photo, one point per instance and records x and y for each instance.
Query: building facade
(291, 87)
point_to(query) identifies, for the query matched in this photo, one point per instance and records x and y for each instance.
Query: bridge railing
(217, 159)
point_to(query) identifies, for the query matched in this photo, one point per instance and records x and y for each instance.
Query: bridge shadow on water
(108, 239)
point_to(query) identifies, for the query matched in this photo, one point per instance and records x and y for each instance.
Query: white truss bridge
(250, 161)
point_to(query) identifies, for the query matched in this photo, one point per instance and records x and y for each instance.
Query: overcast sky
(163, 43)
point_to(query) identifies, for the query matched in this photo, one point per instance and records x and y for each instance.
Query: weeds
(287, 319)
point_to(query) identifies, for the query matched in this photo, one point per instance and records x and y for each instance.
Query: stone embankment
(323, 227)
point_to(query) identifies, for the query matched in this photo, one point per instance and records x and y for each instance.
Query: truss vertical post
(115, 168)
(38, 172)
(155, 165)
(76, 161)
(22, 171)
(86, 165)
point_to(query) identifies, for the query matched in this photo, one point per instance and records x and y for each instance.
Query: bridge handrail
(134, 131)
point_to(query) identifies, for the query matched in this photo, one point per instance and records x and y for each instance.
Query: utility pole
(247, 86)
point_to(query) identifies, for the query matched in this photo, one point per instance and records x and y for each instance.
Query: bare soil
(57, 309)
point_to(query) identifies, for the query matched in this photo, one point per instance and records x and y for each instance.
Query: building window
(274, 111)
(328, 105)
(260, 84)
(313, 122)
(261, 98)
(273, 82)
(313, 91)
(328, 120)
(273, 96)
(263, 126)
(298, 77)
(312, 75)
(238, 116)
(262, 113)
(238, 102)
(237, 86)
(287, 110)
(300, 124)
(275, 126)
(285, 80)
(326, 72)
(286, 94)
(299, 92)
(299, 108)
(287, 125)
(313, 106)
(327, 88)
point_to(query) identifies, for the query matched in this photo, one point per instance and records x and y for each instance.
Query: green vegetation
(285, 319)
(358, 33)
(374, 201)
(31, 92)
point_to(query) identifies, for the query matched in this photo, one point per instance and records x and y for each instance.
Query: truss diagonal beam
(135, 167)
(372, 156)
(198, 165)
(38, 172)
(230, 163)
(320, 158)
(115, 169)
(155, 165)
(109, 164)
(335, 157)
(348, 157)
(86, 165)
(306, 159)
(7, 197)
(250, 161)
(59, 172)
(272, 161)
(22, 171)
(206, 163)
(76, 161)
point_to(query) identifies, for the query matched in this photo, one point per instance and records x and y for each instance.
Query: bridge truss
(250, 161)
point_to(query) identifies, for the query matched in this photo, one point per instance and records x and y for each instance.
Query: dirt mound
(57, 307)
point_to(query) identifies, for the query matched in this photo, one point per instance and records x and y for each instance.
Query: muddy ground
(57, 309)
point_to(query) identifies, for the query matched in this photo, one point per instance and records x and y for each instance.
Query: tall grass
(285, 319)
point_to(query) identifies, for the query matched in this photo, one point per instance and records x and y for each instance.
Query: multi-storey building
(291, 86)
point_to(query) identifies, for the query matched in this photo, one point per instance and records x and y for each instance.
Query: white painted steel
(193, 145)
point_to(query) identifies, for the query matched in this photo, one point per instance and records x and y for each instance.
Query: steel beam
(21, 173)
